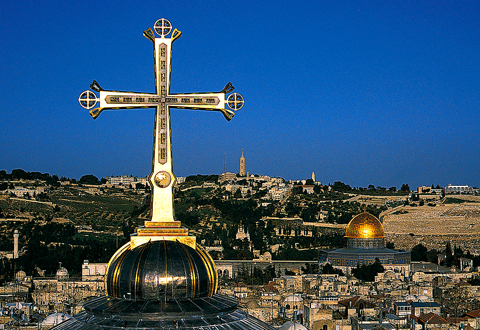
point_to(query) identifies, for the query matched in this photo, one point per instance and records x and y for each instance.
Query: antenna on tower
(224, 162)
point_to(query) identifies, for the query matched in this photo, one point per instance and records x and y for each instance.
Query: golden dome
(364, 225)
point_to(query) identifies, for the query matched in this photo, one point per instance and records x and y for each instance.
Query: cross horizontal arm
(110, 100)
(119, 100)
(200, 101)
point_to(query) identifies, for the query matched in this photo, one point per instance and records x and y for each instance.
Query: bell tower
(242, 165)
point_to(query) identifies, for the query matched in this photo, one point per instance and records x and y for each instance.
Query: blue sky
(363, 92)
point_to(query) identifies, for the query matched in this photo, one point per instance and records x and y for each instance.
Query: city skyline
(381, 94)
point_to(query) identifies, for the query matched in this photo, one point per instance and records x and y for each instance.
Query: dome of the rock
(364, 225)
(365, 240)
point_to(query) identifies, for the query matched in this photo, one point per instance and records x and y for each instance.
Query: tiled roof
(474, 314)
(432, 318)
(357, 302)
(456, 320)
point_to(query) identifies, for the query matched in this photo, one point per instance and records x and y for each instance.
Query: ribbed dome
(161, 271)
(364, 225)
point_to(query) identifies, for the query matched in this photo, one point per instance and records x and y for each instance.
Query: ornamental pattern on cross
(162, 178)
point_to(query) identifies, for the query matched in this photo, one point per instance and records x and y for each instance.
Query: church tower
(242, 165)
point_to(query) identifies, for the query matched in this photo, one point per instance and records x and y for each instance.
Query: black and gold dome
(161, 270)
(364, 225)
(162, 284)
(162, 279)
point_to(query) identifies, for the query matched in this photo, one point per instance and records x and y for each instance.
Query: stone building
(64, 294)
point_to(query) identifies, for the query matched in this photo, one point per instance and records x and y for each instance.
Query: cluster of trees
(328, 269)
(338, 211)
(368, 272)
(46, 245)
(19, 174)
(452, 255)
(197, 205)
(346, 189)
(257, 276)
(191, 208)
(199, 178)
(365, 272)
(343, 212)
(294, 254)
(371, 189)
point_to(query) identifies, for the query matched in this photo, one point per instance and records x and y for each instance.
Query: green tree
(19, 174)
(310, 268)
(390, 245)
(89, 179)
(341, 187)
(291, 209)
(328, 269)
(297, 190)
(405, 188)
(419, 253)
(368, 272)
(448, 249)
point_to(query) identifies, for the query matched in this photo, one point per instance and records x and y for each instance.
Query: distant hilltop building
(451, 189)
(242, 165)
(227, 177)
(366, 242)
(126, 180)
(429, 190)
(26, 191)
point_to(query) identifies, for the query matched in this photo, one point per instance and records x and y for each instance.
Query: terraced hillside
(433, 227)
(103, 211)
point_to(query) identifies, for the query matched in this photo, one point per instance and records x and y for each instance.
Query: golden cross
(161, 178)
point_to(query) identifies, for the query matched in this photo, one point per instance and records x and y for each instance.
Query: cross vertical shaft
(162, 178)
